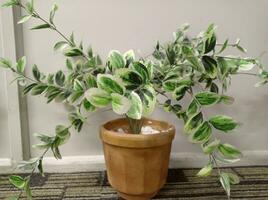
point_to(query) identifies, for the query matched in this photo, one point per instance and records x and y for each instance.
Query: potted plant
(137, 148)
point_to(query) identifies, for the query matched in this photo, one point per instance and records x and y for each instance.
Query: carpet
(182, 184)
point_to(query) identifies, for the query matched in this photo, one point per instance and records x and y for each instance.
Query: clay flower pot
(137, 164)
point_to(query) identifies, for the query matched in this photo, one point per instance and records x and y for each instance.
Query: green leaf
(202, 133)
(193, 122)
(78, 86)
(210, 43)
(148, 98)
(141, 70)
(62, 131)
(229, 151)
(234, 179)
(52, 13)
(223, 123)
(91, 81)
(28, 190)
(135, 111)
(28, 88)
(88, 106)
(60, 45)
(69, 64)
(10, 3)
(60, 78)
(120, 104)
(129, 56)
(17, 181)
(211, 147)
(210, 66)
(38, 89)
(191, 58)
(21, 64)
(42, 26)
(171, 84)
(24, 19)
(207, 98)
(214, 88)
(167, 106)
(5, 63)
(205, 171)
(244, 65)
(115, 60)
(73, 52)
(224, 46)
(36, 73)
(76, 95)
(193, 108)
(241, 49)
(179, 92)
(225, 182)
(98, 97)
(110, 84)
(227, 99)
(30, 6)
(131, 79)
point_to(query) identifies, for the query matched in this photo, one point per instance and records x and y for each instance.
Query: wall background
(126, 24)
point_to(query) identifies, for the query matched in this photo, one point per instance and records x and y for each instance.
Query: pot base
(136, 197)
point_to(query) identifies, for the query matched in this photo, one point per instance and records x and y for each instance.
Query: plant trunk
(135, 125)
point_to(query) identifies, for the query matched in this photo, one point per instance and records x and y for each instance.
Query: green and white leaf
(229, 151)
(5, 63)
(135, 111)
(211, 147)
(223, 123)
(193, 122)
(225, 182)
(131, 79)
(207, 98)
(24, 19)
(120, 104)
(205, 171)
(148, 97)
(21, 64)
(98, 97)
(116, 60)
(202, 133)
(110, 84)
(17, 181)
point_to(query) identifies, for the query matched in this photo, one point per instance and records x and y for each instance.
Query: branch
(53, 27)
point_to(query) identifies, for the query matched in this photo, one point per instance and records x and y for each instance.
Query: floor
(182, 185)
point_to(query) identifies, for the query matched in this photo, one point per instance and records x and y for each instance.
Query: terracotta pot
(137, 164)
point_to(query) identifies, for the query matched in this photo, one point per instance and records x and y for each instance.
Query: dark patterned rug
(182, 184)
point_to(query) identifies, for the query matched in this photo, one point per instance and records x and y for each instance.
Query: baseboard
(96, 162)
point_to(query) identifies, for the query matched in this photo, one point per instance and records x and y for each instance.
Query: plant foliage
(193, 67)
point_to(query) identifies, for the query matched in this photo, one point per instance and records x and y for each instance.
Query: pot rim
(137, 140)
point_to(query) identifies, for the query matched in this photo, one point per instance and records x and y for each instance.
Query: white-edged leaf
(205, 171)
(24, 18)
(98, 97)
(135, 111)
(120, 104)
(110, 84)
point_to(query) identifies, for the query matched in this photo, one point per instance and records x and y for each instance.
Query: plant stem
(53, 27)
(135, 125)
(33, 170)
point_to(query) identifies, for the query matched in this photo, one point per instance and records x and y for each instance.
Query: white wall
(125, 24)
